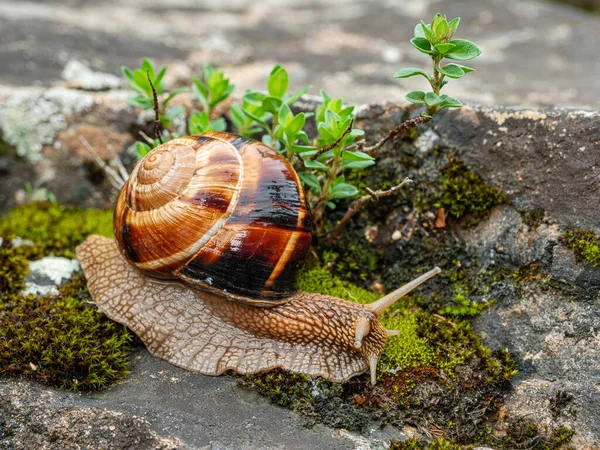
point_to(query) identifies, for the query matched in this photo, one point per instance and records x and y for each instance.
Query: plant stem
(157, 124)
(324, 195)
(355, 206)
(395, 132)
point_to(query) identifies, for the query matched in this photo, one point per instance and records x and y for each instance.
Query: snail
(210, 233)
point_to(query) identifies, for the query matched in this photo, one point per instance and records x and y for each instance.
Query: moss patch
(519, 434)
(60, 340)
(466, 194)
(55, 229)
(584, 243)
(320, 280)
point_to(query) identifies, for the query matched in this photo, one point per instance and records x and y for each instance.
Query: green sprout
(262, 108)
(215, 89)
(141, 80)
(436, 40)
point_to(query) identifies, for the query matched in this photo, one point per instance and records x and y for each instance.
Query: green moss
(13, 270)
(323, 282)
(466, 194)
(422, 444)
(409, 349)
(584, 243)
(520, 433)
(60, 341)
(57, 228)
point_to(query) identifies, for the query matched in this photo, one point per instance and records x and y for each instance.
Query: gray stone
(161, 407)
(79, 75)
(534, 53)
(539, 158)
(552, 330)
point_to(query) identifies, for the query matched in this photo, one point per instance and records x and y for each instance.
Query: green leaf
(465, 69)
(141, 101)
(427, 116)
(451, 70)
(417, 97)
(255, 117)
(444, 48)
(218, 125)
(432, 99)
(355, 165)
(343, 190)
(254, 98)
(439, 26)
(425, 31)
(271, 104)
(277, 83)
(305, 151)
(141, 149)
(198, 122)
(453, 24)
(172, 95)
(312, 164)
(285, 114)
(451, 102)
(311, 181)
(423, 45)
(356, 156)
(297, 95)
(174, 112)
(296, 124)
(410, 72)
(330, 205)
(463, 50)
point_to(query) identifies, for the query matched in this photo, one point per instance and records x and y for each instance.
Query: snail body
(215, 290)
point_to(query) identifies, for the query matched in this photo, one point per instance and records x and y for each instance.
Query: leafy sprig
(436, 39)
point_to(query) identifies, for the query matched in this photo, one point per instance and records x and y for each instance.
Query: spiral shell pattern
(221, 212)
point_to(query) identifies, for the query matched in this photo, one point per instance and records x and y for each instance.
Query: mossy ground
(584, 243)
(60, 340)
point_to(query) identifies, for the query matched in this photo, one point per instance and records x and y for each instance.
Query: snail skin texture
(211, 231)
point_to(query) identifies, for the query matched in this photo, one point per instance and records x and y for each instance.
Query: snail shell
(223, 213)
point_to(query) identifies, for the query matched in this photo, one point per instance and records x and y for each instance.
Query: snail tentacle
(379, 306)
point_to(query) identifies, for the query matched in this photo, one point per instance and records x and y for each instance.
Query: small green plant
(142, 80)
(436, 40)
(322, 163)
(264, 108)
(215, 89)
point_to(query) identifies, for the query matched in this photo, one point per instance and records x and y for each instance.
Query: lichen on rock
(29, 119)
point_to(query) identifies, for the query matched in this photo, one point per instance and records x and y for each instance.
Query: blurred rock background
(535, 53)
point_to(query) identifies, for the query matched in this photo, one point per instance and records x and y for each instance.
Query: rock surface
(47, 273)
(160, 407)
(552, 328)
(350, 48)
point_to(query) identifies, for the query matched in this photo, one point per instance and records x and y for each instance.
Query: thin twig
(116, 163)
(355, 206)
(395, 132)
(335, 144)
(114, 178)
(147, 138)
(157, 132)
